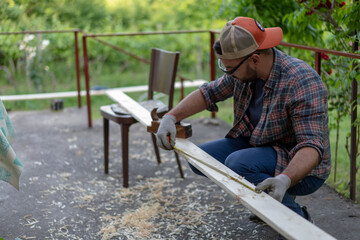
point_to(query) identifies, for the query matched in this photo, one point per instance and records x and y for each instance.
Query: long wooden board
(141, 88)
(275, 214)
(282, 219)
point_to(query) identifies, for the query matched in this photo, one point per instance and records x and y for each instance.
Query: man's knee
(235, 163)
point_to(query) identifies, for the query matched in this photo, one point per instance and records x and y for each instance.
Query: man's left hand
(276, 186)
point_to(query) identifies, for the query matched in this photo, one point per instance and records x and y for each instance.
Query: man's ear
(255, 58)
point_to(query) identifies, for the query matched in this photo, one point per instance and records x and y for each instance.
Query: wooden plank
(141, 88)
(131, 106)
(275, 214)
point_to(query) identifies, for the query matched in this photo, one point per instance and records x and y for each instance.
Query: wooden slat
(131, 106)
(275, 214)
(141, 88)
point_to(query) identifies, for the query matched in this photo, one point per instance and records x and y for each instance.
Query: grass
(341, 182)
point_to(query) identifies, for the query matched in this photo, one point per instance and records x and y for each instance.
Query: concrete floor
(64, 193)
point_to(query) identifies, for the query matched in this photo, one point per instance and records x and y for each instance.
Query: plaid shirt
(294, 113)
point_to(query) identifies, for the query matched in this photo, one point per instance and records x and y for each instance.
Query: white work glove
(276, 186)
(166, 132)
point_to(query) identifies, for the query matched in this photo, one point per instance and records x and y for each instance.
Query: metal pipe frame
(87, 80)
(317, 51)
(353, 141)
(76, 49)
(96, 37)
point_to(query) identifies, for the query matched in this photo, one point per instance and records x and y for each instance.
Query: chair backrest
(163, 68)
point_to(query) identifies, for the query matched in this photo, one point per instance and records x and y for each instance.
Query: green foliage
(83, 14)
(100, 16)
(268, 12)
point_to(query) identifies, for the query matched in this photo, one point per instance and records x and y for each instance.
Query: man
(280, 137)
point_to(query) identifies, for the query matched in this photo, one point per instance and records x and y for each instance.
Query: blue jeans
(256, 164)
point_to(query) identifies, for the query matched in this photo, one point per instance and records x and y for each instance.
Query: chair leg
(106, 145)
(125, 153)
(179, 165)
(156, 148)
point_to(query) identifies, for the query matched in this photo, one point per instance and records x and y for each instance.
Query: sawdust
(161, 207)
(30, 220)
(86, 198)
(33, 179)
(64, 229)
(72, 198)
(152, 208)
(27, 238)
(141, 219)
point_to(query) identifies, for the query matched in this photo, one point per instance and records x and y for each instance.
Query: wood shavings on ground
(160, 207)
(65, 189)
(78, 201)
(26, 238)
(33, 179)
(64, 229)
(86, 198)
(30, 220)
(162, 210)
(142, 219)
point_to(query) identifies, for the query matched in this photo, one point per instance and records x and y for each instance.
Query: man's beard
(250, 76)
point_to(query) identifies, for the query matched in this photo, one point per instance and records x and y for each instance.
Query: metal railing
(76, 50)
(353, 103)
(317, 52)
(96, 37)
(317, 64)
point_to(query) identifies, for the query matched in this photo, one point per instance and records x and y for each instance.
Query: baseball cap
(244, 35)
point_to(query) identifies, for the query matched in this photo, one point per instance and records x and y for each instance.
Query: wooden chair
(163, 67)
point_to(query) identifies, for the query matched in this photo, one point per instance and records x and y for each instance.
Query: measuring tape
(218, 170)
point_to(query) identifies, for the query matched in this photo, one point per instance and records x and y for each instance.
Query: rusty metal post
(77, 66)
(212, 63)
(87, 81)
(353, 142)
(353, 147)
(182, 93)
(318, 62)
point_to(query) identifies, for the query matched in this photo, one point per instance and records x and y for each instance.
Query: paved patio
(64, 193)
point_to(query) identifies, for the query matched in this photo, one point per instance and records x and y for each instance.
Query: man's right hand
(165, 136)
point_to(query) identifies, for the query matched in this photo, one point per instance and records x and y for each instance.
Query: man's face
(244, 73)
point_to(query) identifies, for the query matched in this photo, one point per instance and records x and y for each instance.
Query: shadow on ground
(64, 193)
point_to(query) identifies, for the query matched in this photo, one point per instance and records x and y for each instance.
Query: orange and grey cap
(243, 36)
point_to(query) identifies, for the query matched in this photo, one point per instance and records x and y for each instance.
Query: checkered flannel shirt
(294, 113)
